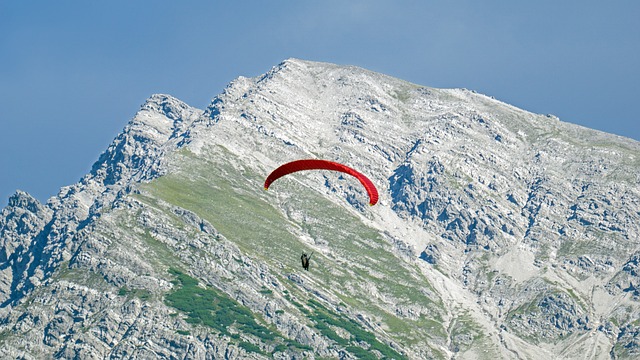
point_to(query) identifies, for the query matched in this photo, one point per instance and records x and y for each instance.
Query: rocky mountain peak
(499, 233)
(163, 114)
(161, 118)
(159, 126)
(25, 201)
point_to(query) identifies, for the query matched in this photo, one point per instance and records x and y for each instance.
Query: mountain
(499, 233)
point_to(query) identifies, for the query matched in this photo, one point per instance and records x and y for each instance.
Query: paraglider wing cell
(314, 164)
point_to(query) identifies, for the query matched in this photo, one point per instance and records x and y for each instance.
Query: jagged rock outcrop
(49, 234)
(22, 225)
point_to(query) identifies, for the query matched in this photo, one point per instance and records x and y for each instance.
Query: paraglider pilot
(305, 261)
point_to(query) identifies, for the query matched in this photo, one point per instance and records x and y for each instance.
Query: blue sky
(72, 73)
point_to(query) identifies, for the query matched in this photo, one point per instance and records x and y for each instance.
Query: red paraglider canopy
(314, 164)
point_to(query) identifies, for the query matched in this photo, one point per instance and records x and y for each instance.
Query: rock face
(499, 233)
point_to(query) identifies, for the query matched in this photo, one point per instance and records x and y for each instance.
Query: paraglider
(305, 261)
(315, 164)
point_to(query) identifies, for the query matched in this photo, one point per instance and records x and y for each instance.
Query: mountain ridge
(499, 233)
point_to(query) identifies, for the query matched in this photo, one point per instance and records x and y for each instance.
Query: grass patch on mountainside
(326, 321)
(468, 337)
(81, 276)
(214, 309)
(142, 294)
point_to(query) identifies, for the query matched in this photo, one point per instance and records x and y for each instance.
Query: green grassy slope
(267, 227)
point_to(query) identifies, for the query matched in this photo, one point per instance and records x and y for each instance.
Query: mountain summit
(499, 233)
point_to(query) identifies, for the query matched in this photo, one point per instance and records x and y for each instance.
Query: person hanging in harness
(305, 260)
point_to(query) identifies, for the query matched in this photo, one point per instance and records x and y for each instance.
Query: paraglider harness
(305, 261)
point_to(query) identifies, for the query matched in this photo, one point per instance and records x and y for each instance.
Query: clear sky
(73, 73)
